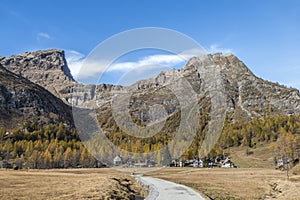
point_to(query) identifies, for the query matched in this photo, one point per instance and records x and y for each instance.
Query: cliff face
(22, 100)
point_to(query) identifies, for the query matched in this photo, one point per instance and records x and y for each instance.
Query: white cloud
(17, 15)
(92, 69)
(215, 48)
(159, 60)
(74, 60)
(193, 52)
(151, 61)
(84, 70)
(43, 35)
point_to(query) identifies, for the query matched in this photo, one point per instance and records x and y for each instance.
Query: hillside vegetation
(43, 147)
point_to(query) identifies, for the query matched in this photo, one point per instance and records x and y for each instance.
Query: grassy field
(252, 183)
(67, 184)
(259, 157)
(242, 183)
(254, 179)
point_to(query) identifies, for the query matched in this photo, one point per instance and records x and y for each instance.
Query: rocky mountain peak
(43, 60)
(228, 62)
(47, 68)
(246, 95)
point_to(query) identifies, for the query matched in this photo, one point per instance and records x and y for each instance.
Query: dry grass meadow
(251, 183)
(260, 157)
(242, 183)
(67, 184)
(254, 179)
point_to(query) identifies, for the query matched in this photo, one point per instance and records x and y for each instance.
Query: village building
(117, 161)
(227, 164)
(198, 163)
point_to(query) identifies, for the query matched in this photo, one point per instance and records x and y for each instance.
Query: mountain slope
(256, 111)
(245, 96)
(22, 100)
(248, 95)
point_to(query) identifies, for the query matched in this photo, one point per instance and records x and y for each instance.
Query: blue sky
(264, 34)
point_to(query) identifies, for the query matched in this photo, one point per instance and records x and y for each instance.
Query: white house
(198, 163)
(117, 161)
(280, 162)
(227, 163)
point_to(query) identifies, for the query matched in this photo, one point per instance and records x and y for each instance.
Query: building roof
(117, 159)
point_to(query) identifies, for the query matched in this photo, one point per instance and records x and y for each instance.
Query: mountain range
(246, 95)
(38, 86)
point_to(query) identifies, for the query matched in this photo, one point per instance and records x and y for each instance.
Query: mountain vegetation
(43, 147)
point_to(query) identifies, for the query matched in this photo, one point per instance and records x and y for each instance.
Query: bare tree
(285, 148)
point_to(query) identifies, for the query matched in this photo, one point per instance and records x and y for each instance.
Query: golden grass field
(242, 183)
(67, 184)
(251, 183)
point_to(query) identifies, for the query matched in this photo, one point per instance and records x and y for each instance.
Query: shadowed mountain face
(245, 95)
(22, 100)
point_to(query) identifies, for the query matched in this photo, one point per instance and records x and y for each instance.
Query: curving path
(162, 190)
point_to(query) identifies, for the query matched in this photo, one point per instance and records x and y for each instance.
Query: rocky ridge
(245, 94)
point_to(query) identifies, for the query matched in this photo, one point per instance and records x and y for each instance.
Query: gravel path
(162, 190)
